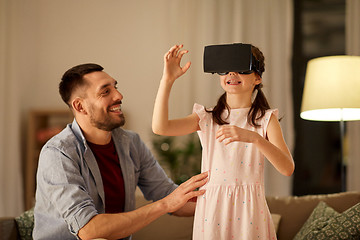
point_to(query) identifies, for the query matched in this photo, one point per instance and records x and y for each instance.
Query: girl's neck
(238, 100)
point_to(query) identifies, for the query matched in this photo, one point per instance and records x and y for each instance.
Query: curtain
(11, 198)
(265, 24)
(353, 128)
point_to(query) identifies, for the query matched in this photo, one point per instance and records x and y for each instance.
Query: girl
(235, 135)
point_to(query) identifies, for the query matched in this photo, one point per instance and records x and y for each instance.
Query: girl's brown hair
(259, 105)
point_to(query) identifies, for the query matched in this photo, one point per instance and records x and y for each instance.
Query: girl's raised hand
(172, 59)
(231, 133)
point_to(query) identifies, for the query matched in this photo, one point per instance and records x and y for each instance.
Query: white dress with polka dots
(234, 205)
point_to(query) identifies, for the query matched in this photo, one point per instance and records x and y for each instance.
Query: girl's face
(236, 83)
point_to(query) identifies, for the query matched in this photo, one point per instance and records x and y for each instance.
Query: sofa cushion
(276, 220)
(25, 223)
(321, 214)
(341, 226)
(295, 211)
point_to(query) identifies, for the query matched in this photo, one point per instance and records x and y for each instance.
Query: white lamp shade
(332, 89)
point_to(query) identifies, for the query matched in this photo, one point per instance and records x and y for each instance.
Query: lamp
(332, 93)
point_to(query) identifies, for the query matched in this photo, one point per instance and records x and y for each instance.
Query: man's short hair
(73, 78)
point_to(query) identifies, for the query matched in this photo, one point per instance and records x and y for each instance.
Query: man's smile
(116, 108)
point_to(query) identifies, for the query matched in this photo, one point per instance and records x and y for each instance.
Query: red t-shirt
(110, 169)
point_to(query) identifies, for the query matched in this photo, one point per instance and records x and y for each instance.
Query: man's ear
(78, 105)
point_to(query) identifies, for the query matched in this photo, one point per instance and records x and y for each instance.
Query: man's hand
(185, 192)
(120, 225)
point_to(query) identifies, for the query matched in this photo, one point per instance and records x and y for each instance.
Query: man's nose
(118, 95)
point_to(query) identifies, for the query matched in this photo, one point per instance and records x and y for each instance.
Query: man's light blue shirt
(69, 186)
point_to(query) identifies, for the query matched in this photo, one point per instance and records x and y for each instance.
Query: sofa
(293, 212)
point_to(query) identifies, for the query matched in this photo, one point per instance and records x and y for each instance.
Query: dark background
(319, 30)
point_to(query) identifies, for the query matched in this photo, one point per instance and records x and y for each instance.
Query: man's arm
(120, 225)
(188, 210)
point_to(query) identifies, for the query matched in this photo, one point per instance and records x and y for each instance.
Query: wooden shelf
(42, 125)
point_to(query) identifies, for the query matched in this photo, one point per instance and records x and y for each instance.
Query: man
(87, 174)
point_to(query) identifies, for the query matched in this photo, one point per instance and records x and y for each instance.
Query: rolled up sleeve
(63, 193)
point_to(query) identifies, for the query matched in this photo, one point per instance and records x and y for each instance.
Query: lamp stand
(343, 164)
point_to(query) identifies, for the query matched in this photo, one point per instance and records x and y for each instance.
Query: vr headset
(226, 58)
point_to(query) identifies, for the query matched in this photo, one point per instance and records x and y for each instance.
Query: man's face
(103, 101)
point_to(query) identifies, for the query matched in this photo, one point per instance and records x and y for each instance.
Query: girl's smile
(234, 79)
(233, 82)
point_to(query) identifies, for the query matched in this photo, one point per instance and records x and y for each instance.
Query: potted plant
(181, 155)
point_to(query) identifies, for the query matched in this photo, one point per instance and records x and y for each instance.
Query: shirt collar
(77, 131)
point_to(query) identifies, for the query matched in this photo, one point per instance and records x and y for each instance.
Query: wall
(41, 39)
(10, 150)
(123, 36)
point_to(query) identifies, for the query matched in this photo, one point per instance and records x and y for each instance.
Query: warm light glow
(332, 114)
(332, 89)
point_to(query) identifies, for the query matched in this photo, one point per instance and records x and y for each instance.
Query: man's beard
(104, 121)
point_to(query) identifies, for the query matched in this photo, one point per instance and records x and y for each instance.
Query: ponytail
(258, 107)
(218, 110)
(256, 112)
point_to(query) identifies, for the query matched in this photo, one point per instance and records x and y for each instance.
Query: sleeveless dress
(234, 204)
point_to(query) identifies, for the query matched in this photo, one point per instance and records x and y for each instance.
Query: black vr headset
(226, 58)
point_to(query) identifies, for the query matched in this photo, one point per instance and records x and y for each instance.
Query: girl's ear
(258, 79)
(78, 105)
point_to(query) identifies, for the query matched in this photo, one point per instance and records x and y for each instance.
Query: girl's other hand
(172, 59)
(231, 133)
